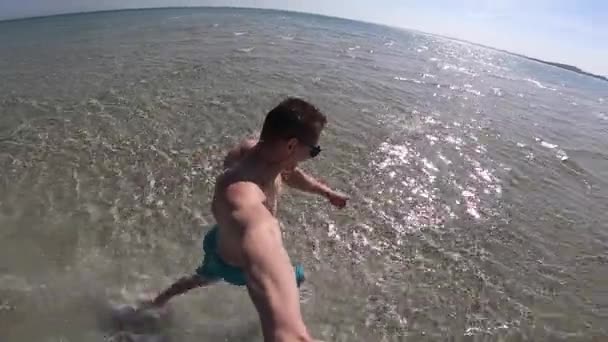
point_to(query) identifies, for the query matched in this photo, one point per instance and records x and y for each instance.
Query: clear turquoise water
(478, 179)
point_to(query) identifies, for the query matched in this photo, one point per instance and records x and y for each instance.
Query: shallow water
(478, 179)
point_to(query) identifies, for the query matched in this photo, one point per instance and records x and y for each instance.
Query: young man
(245, 247)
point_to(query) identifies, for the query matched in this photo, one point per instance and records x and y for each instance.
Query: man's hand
(337, 199)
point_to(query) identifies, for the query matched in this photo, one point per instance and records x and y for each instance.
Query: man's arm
(270, 276)
(302, 181)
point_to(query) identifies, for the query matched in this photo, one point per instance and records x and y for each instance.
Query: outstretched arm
(298, 179)
(268, 270)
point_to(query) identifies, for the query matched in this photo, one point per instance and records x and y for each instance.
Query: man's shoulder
(238, 152)
(244, 193)
(244, 146)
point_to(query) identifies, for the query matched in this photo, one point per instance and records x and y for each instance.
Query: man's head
(292, 131)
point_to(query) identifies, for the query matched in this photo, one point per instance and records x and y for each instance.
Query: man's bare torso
(234, 172)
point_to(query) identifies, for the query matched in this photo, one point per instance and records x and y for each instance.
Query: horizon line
(515, 54)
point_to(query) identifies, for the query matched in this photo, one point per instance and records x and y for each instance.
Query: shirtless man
(245, 247)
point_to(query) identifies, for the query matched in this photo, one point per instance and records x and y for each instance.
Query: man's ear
(291, 144)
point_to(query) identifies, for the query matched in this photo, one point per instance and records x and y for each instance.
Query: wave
(538, 84)
(246, 50)
(412, 80)
(459, 69)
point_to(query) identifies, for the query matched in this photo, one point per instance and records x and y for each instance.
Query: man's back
(225, 209)
(249, 237)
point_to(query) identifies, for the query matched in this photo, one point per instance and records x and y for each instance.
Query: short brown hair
(293, 118)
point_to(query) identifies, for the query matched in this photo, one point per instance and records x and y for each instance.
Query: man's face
(297, 151)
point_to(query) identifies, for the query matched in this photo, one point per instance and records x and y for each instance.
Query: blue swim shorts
(213, 267)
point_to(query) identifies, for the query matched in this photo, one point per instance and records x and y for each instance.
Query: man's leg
(181, 286)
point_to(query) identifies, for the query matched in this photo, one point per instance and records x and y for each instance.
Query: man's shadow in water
(124, 323)
(244, 331)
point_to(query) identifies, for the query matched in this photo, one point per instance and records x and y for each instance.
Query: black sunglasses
(314, 149)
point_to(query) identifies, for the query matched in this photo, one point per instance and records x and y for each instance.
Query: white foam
(407, 79)
(466, 71)
(497, 91)
(538, 84)
(333, 232)
(429, 165)
(467, 193)
(454, 141)
(396, 154)
(389, 44)
(483, 173)
(521, 144)
(602, 116)
(473, 91)
(14, 283)
(287, 37)
(428, 76)
(444, 159)
(433, 139)
(430, 120)
(246, 50)
(548, 145)
(433, 59)
(473, 211)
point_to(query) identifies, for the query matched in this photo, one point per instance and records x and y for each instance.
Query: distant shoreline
(554, 64)
(564, 66)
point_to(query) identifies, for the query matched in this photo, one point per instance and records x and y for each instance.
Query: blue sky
(569, 31)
